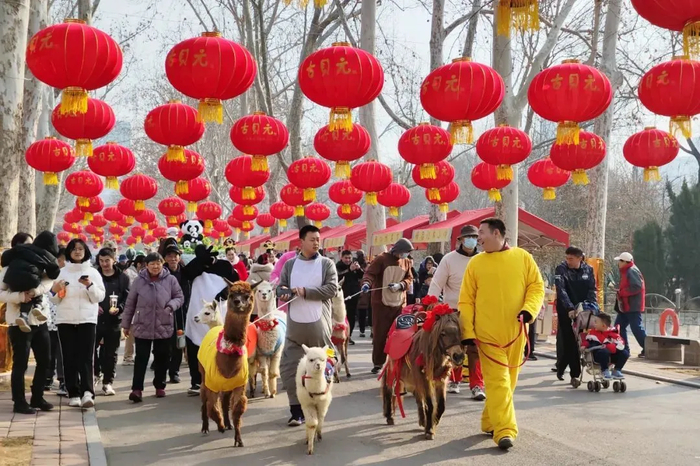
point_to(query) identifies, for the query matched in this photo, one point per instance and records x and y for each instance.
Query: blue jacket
(574, 286)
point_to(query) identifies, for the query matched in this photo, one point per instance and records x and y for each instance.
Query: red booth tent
(404, 229)
(282, 240)
(533, 232)
(249, 246)
(351, 238)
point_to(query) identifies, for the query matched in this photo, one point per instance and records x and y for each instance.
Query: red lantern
(50, 156)
(293, 196)
(246, 228)
(171, 207)
(239, 172)
(84, 184)
(177, 220)
(92, 230)
(503, 146)
(73, 217)
(63, 238)
(317, 212)
(198, 189)
(259, 135)
(222, 228)
(394, 196)
(181, 171)
(485, 177)
(651, 149)
(139, 188)
(113, 215)
(149, 239)
(244, 215)
(675, 15)
(127, 207)
(72, 228)
(344, 193)
(281, 212)
(131, 241)
(93, 206)
(341, 77)
(160, 232)
(308, 174)
(146, 218)
(569, 94)
(371, 177)
(448, 193)
(174, 125)
(138, 233)
(461, 92)
(96, 123)
(234, 222)
(544, 174)
(111, 161)
(117, 231)
(523, 15)
(342, 147)
(265, 221)
(76, 58)
(353, 213)
(444, 174)
(98, 220)
(589, 152)
(671, 89)
(208, 211)
(425, 145)
(211, 69)
(237, 195)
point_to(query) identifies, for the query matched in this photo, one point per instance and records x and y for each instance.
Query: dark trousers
(193, 362)
(78, 345)
(106, 353)
(161, 353)
(39, 342)
(175, 358)
(56, 362)
(567, 348)
(382, 320)
(603, 357)
(356, 314)
(634, 320)
(532, 336)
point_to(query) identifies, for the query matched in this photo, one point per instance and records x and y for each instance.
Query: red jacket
(609, 338)
(241, 270)
(630, 298)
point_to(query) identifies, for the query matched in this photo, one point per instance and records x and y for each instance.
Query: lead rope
(523, 330)
(360, 292)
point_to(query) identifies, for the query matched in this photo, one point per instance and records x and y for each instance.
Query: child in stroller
(607, 347)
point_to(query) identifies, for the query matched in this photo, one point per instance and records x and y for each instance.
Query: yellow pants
(499, 384)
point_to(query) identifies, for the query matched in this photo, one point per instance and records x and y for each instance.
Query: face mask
(469, 243)
(404, 255)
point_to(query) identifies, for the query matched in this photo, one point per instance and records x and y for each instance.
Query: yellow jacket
(207, 357)
(496, 287)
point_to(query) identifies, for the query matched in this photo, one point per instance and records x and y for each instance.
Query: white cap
(625, 256)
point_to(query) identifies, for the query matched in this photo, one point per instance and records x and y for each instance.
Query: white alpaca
(341, 331)
(271, 327)
(209, 314)
(314, 383)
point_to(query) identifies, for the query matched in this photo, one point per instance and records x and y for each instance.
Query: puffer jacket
(80, 304)
(259, 273)
(151, 305)
(27, 263)
(13, 299)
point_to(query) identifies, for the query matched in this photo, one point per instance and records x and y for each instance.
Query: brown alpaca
(424, 371)
(223, 364)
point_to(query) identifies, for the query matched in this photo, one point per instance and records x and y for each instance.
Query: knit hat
(468, 230)
(402, 246)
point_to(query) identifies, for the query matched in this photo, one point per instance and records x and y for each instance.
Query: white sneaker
(74, 402)
(128, 362)
(38, 315)
(21, 322)
(88, 401)
(478, 394)
(107, 390)
(98, 380)
(453, 387)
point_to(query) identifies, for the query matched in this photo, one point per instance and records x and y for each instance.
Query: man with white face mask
(447, 281)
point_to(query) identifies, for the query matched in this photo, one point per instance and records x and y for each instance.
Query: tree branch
(456, 23)
(393, 115)
(213, 22)
(196, 13)
(471, 29)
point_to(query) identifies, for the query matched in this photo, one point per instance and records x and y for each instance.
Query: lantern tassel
(346, 209)
(371, 198)
(652, 174)
(191, 206)
(309, 194)
(83, 147)
(427, 171)
(549, 194)
(175, 154)
(283, 222)
(342, 170)
(249, 193)
(691, 40)
(210, 110)
(248, 210)
(246, 225)
(129, 220)
(172, 219)
(568, 133)
(495, 195)
(444, 207)
(525, 15)
(88, 216)
(318, 224)
(503, 15)
(50, 179)
(504, 172)
(394, 211)
(341, 118)
(259, 164)
(208, 224)
(299, 211)
(461, 132)
(682, 124)
(348, 223)
(433, 194)
(83, 202)
(139, 206)
(74, 100)
(111, 182)
(580, 177)
(182, 187)
(266, 230)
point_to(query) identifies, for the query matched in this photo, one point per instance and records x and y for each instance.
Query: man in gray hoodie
(309, 281)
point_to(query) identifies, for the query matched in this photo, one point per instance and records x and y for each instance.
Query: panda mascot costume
(192, 233)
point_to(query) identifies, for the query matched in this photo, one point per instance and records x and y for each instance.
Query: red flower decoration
(432, 315)
(428, 300)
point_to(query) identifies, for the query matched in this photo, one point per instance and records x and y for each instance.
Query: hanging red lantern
(309, 173)
(485, 177)
(177, 220)
(246, 228)
(503, 146)
(238, 197)
(259, 135)
(181, 171)
(138, 233)
(265, 221)
(222, 228)
(394, 197)
(651, 149)
(568, 94)
(98, 220)
(131, 241)
(111, 161)
(371, 177)
(84, 184)
(544, 174)
(244, 215)
(198, 189)
(342, 147)
(171, 207)
(351, 215)
(139, 188)
(674, 15)
(589, 152)
(448, 193)
(146, 218)
(344, 193)
(294, 196)
(63, 238)
(116, 230)
(175, 125)
(209, 211)
(522, 15)
(149, 239)
(160, 232)
(72, 228)
(461, 92)
(51, 156)
(672, 89)
(127, 207)
(76, 58)
(92, 230)
(425, 145)
(113, 215)
(74, 216)
(94, 124)
(444, 174)
(317, 213)
(210, 69)
(239, 172)
(341, 77)
(281, 212)
(234, 222)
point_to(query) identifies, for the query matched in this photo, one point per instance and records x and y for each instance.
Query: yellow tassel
(682, 124)
(444, 207)
(549, 194)
(210, 110)
(299, 211)
(249, 193)
(259, 164)
(246, 224)
(287, 2)
(84, 221)
(342, 170)
(319, 3)
(283, 222)
(208, 224)
(176, 154)
(191, 206)
(461, 132)
(318, 224)
(266, 230)
(83, 202)
(111, 182)
(503, 15)
(139, 206)
(652, 174)
(394, 211)
(579, 176)
(145, 226)
(50, 179)
(504, 172)
(495, 195)
(74, 100)
(182, 187)
(433, 194)
(248, 210)
(346, 209)
(172, 219)
(348, 223)
(427, 171)
(309, 194)
(341, 118)
(371, 198)
(691, 40)
(83, 147)
(568, 133)
(88, 216)
(525, 15)
(246, 235)
(130, 220)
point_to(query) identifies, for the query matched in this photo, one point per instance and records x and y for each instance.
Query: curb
(658, 378)
(96, 451)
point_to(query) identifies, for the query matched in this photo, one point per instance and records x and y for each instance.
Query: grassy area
(16, 451)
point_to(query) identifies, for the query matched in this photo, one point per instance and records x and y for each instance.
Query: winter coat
(150, 306)
(447, 279)
(609, 338)
(117, 284)
(13, 299)
(423, 270)
(260, 272)
(630, 298)
(27, 263)
(351, 285)
(385, 269)
(80, 304)
(185, 286)
(574, 286)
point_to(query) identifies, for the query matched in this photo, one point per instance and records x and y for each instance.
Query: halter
(225, 346)
(328, 372)
(266, 325)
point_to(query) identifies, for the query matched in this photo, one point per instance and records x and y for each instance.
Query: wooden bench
(667, 348)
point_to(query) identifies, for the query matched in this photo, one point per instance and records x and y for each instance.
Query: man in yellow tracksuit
(499, 288)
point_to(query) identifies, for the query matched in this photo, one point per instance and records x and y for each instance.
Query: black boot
(41, 404)
(23, 408)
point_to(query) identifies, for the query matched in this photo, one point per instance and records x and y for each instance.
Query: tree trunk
(85, 11)
(471, 29)
(598, 188)
(47, 197)
(14, 20)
